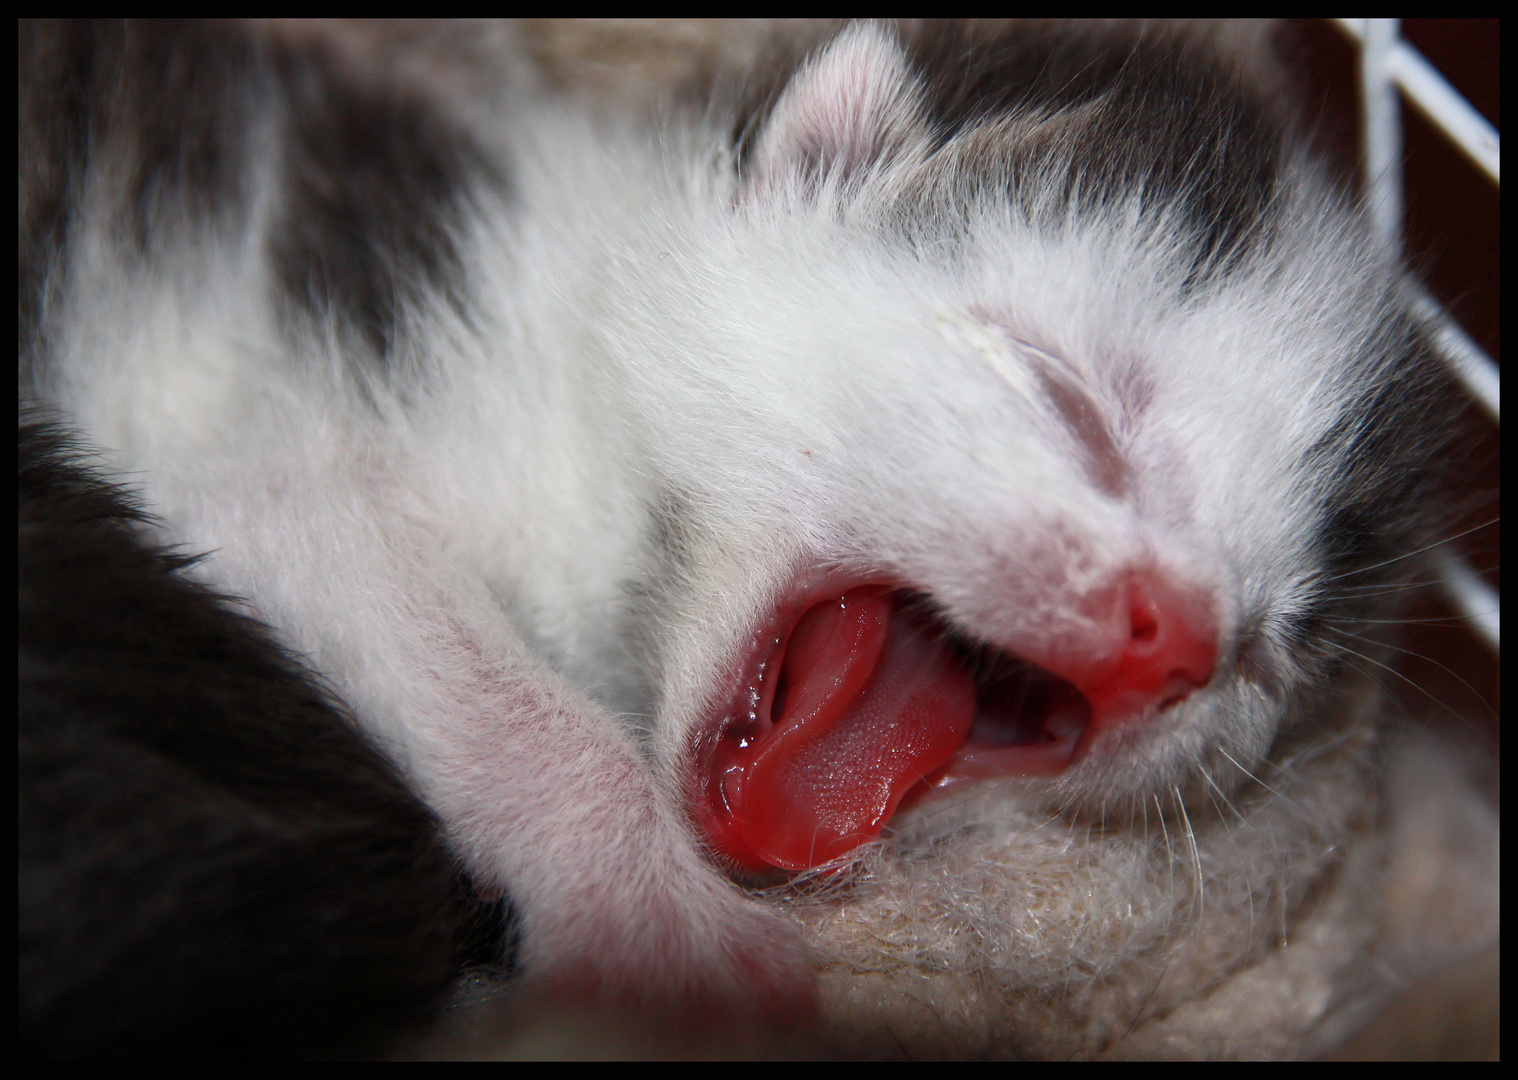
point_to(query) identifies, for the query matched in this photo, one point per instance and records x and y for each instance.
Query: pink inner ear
(867, 703)
(855, 105)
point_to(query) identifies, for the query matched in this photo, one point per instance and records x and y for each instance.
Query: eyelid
(1042, 378)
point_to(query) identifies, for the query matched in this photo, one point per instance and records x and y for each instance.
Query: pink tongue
(872, 704)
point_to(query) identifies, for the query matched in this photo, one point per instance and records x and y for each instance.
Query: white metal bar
(1453, 115)
(1386, 63)
(1439, 101)
(1476, 370)
(1478, 602)
(1381, 111)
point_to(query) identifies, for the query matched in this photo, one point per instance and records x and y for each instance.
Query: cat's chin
(859, 699)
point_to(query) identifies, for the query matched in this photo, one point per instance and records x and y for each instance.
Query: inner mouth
(862, 702)
(1028, 720)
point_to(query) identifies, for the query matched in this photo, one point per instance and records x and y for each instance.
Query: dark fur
(171, 118)
(211, 860)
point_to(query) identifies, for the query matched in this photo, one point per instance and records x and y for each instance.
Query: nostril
(1171, 650)
(1172, 635)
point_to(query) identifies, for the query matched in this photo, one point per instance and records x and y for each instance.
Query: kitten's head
(1045, 437)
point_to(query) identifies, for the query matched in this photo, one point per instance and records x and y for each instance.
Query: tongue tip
(798, 840)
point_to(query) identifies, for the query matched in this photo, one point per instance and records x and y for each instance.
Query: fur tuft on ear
(854, 107)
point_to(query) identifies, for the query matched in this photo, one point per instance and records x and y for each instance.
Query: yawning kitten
(920, 511)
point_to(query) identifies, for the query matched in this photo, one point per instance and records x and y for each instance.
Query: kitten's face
(994, 502)
(1013, 528)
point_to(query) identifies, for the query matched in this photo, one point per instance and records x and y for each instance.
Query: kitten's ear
(854, 107)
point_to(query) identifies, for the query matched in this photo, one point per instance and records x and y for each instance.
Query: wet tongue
(872, 704)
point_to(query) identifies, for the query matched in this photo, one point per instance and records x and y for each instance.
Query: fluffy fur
(517, 419)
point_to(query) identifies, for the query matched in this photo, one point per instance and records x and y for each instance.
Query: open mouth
(864, 700)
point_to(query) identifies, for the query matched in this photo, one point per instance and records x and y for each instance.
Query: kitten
(949, 482)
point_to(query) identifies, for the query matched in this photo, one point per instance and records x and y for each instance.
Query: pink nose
(1171, 649)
